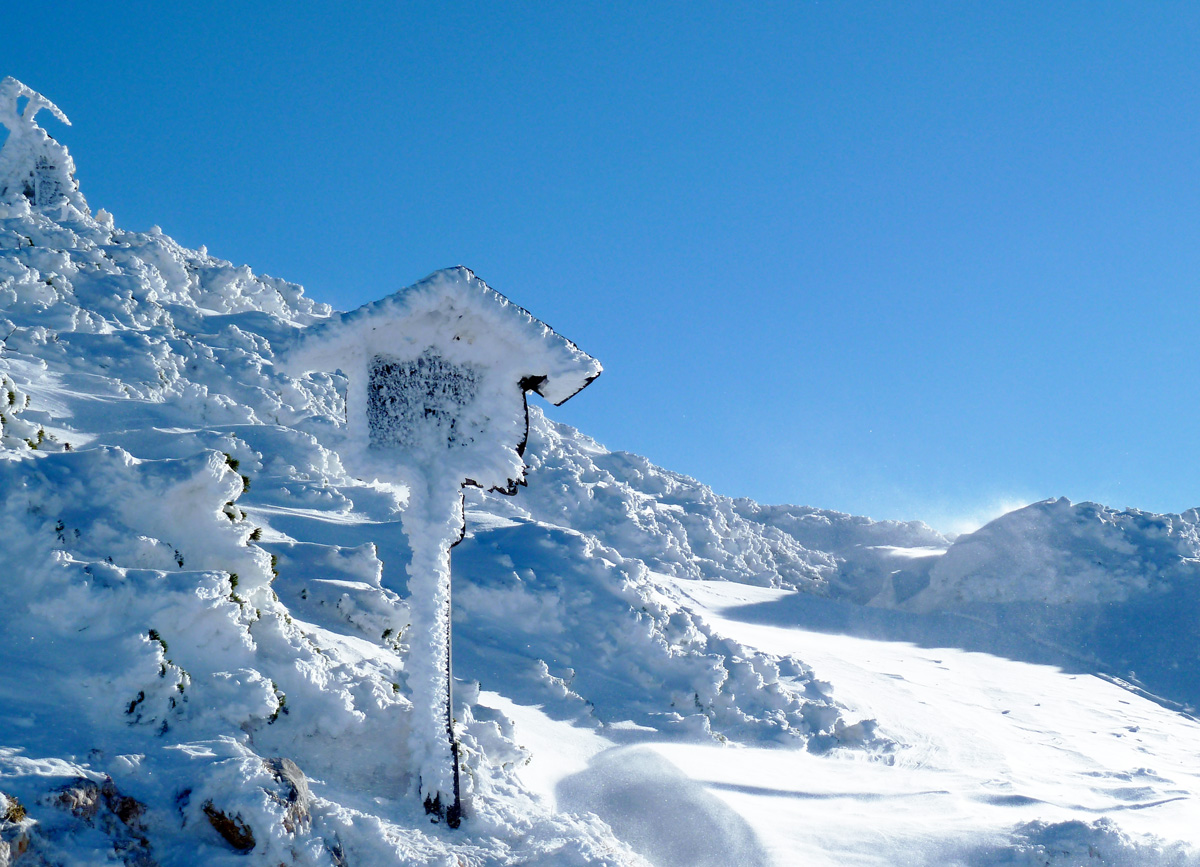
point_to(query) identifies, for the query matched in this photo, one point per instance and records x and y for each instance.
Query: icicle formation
(32, 164)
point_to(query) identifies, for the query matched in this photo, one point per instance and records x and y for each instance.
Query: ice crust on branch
(32, 164)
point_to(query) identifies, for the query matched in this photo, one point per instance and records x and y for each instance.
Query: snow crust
(198, 584)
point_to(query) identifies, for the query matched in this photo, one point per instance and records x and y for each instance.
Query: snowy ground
(988, 747)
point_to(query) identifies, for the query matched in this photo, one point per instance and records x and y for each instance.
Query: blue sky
(906, 260)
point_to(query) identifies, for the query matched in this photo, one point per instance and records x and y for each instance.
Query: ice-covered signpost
(437, 378)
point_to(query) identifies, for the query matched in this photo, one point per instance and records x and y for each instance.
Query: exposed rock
(337, 854)
(85, 798)
(80, 798)
(14, 830)
(294, 795)
(285, 786)
(11, 810)
(101, 806)
(235, 831)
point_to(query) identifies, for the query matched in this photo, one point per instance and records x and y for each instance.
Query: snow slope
(207, 645)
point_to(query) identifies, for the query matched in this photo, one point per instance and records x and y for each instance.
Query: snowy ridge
(1112, 591)
(203, 581)
(207, 630)
(680, 527)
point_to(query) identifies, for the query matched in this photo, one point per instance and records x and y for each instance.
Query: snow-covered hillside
(206, 643)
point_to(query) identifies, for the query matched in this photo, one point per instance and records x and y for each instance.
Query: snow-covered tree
(32, 163)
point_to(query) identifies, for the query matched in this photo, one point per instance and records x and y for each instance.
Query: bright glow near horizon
(968, 522)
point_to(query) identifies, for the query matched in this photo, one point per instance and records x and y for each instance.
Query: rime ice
(32, 164)
(426, 395)
(438, 374)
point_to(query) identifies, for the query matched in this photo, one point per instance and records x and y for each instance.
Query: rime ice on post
(32, 164)
(438, 375)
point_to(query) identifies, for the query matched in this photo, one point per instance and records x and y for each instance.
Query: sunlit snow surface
(646, 672)
(985, 743)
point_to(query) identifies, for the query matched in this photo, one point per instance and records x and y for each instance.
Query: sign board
(424, 399)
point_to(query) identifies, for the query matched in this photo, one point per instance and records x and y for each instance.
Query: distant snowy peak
(1060, 553)
(828, 530)
(1053, 552)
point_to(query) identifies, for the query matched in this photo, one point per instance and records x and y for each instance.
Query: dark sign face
(46, 188)
(425, 401)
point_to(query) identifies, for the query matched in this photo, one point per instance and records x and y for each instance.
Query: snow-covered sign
(437, 378)
(440, 370)
(32, 164)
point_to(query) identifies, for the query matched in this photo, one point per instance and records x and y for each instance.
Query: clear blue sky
(910, 260)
